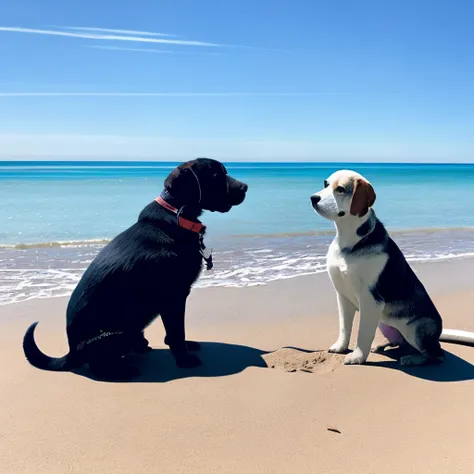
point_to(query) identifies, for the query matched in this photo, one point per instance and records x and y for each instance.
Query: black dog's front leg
(191, 346)
(173, 320)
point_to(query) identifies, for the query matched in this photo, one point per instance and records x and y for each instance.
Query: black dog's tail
(41, 361)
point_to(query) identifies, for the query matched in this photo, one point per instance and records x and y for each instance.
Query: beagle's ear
(363, 197)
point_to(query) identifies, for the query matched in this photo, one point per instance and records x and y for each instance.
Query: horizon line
(128, 161)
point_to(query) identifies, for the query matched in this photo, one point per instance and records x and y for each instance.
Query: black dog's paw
(188, 361)
(191, 346)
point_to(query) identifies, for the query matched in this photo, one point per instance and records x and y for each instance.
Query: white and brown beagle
(370, 275)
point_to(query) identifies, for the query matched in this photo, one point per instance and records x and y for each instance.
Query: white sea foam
(249, 268)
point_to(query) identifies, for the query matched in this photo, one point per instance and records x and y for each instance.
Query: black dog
(145, 272)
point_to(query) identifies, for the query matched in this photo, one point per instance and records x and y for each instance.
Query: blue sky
(267, 80)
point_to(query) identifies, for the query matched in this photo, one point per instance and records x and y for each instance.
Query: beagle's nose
(315, 199)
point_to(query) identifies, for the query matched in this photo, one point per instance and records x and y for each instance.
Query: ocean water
(55, 217)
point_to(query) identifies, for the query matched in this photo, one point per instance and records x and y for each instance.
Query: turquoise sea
(55, 216)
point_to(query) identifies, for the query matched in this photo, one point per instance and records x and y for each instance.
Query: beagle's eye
(326, 184)
(340, 189)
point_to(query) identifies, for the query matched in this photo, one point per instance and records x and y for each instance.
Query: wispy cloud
(112, 30)
(146, 50)
(157, 94)
(139, 50)
(105, 37)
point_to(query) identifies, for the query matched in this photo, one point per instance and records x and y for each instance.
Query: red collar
(182, 222)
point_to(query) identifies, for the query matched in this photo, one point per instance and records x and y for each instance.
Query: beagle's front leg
(346, 319)
(370, 313)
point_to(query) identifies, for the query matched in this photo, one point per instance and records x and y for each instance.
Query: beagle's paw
(380, 348)
(413, 360)
(354, 358)
(338, 348)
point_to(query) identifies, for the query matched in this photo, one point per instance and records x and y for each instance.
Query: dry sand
(309, 414)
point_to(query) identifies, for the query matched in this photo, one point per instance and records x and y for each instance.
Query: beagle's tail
(41, 361)
(457, 336)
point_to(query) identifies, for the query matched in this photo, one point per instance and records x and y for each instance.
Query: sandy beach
(248, 409)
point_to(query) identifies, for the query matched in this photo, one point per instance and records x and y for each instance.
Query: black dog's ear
(181, 183)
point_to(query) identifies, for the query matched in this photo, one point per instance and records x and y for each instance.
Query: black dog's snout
(315, 199)
(237, 190)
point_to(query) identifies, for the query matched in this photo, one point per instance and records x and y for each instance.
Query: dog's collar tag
(206, 254)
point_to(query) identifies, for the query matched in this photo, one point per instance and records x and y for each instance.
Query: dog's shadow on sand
(222, 359)
(453, 369)
(218, 360)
